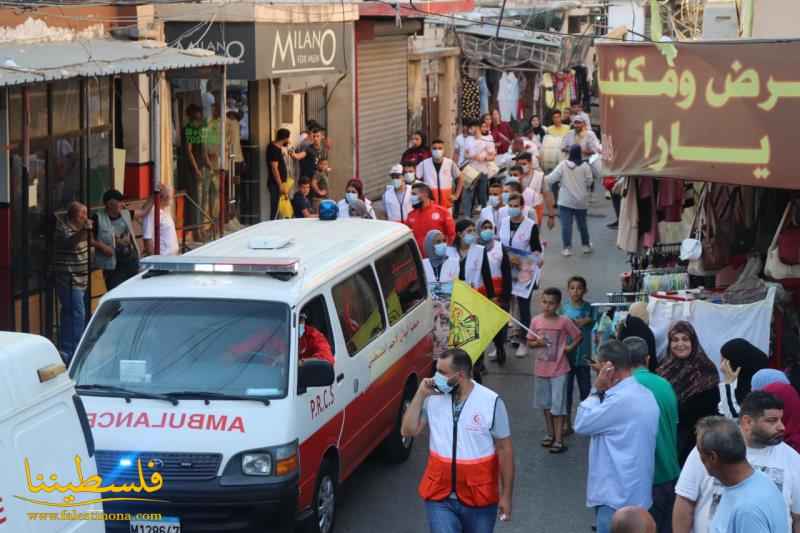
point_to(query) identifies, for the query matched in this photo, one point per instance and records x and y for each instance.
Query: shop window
(101, 171)
(38, 112)
(65, 182)
(99, 102)
(401, 277)
(359, 309)
(287, 108)
(66, 106)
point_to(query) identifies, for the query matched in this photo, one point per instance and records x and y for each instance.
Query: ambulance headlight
(257, 464)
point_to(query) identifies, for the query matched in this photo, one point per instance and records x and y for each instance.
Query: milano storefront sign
(270, 50)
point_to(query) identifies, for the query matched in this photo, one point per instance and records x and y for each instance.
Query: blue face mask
(487, 235)
(506, 196)
(397, 183)
(301, 329)
(494, 201)
(351, 197)
(416, 200)
(440, 249)
(469, 239)
(440, 380)
(514, 212)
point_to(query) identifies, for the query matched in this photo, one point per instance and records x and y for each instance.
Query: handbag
(789, 244)
(774, 267)
(469, 174)
(744, 237)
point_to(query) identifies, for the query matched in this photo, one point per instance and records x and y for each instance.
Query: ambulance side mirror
(314, 373)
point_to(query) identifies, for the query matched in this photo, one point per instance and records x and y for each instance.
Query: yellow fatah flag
(474, 320)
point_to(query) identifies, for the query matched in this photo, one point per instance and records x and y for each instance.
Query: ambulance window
(359, 309)
(401, 277)
(316, 313)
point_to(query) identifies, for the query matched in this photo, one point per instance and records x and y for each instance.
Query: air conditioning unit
(720, 21)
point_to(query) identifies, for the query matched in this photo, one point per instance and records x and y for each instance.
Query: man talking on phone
(621, 417)
(469, 479)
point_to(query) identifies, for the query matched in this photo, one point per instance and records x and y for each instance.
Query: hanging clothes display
(470, 100)
(508, 96)
(484, 94)
(549, 90)
(564, 89)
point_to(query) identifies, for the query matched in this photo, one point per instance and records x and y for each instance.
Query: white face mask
(437, 154)
(410, 177)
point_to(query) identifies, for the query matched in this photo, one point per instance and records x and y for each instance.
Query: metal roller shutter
(382, 109)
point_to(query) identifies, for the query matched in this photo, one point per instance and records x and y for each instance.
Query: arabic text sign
(724, 112)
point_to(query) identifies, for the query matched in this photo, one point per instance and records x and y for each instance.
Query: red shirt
(425, 219)
(314, 345)
(503, 135)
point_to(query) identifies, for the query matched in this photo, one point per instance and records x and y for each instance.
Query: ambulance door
(361, 321)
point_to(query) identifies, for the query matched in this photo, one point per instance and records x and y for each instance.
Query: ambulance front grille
(121, 466)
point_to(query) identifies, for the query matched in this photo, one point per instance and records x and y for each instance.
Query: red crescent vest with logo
(470, 466)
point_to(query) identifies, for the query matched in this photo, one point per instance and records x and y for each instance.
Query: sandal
(548, 441)
(558, 447)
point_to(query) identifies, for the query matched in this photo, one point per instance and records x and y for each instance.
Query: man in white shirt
(698, 494)
(168, 237)
(441, 174)
(397, 198)
(480, 153)
(621, 417)
(459, 148)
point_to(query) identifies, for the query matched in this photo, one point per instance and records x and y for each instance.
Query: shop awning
(39, 62)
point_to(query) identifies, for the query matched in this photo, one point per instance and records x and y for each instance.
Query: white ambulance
(210, 367)
(43, 432)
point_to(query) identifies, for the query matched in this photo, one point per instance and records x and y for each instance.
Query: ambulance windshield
(175, 345)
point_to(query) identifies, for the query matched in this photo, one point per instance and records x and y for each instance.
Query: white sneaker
(522, 351)
(491, 352)
(588, 249)
(566, 252)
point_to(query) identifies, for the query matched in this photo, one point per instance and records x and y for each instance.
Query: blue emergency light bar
(220, 265)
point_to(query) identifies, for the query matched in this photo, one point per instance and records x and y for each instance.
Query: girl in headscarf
(354, 204)
(417, 152)
(575, 177)
(768, 376)
(499, 289)
(740, 360)
(791, 412)
(694, 378)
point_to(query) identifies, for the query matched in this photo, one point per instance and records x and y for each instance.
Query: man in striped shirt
(71, 267)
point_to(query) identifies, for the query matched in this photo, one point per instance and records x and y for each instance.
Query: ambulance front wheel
(396, 447)
(324, 517)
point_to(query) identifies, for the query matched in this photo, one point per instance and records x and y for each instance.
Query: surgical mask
(301, 329)
(416, 201)
(442, 384)
(397, 183)
(437, 154)
(494, 201)
(525, 168)
(506, 196)
(487, 235)
(469, 239)
(410, 177)
(351, 197)
(514, 212)
(440, 249)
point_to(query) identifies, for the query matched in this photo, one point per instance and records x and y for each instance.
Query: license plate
(167, 524)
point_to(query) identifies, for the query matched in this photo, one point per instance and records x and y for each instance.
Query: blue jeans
(479, 188)
(73, 317)
(604, 514)
(583, 374)
(452, 516)
(566, 214)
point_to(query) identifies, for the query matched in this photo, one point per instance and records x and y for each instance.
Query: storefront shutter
(382, 109)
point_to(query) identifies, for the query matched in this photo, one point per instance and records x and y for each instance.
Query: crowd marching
(672, 446)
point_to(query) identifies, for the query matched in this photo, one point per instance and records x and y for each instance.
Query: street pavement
(550, 490)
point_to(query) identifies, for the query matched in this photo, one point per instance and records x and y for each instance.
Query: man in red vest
(467, 483)
(427, 216)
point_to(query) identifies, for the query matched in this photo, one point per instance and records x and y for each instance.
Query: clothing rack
(658, 256)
